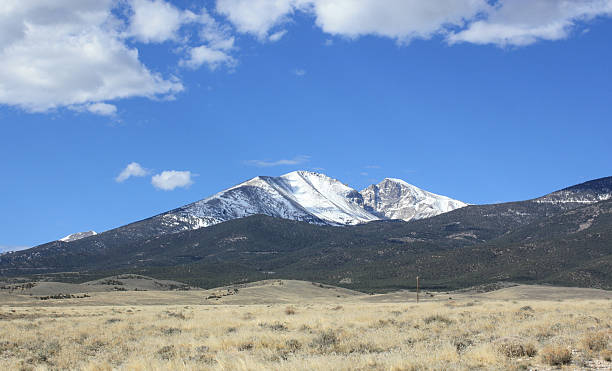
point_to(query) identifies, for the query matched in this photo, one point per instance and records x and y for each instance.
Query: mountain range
(300, 195)
(310, 197)
(316, 228)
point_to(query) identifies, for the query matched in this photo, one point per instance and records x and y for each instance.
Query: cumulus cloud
(501, 22)
(399, 19)
(256, 16)
(133, 169)
(155, 21)
(66, 53)
(266, 163)
(83, 54)
(159, 21)
(172, 179)
(205, 55)
(523, 22)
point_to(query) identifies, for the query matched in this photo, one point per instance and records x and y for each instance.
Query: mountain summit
(396, 199)
(314, 198)
(299, 195)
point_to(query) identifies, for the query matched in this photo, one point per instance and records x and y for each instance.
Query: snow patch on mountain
(585, 193)
(77, 236)
(397, 199)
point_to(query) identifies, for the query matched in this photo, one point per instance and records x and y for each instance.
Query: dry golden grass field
(293, 325)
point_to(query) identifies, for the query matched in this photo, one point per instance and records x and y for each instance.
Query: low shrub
(516, 348)
(325, 340)
(437, 318)
(556, 355)
(595, 341)
(166, 352)
(276, 326)
(289, 311)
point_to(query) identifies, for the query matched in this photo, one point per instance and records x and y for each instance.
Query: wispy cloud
(277, 36)
(169, 180)
(103, 109)
(372, 167)
(4, 249)
(283, 162)
(299, 72)
(132, 169)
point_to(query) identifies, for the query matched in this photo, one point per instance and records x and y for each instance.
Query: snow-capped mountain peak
(310, 197)
(396, 199)
(326, 198)
(299, 195)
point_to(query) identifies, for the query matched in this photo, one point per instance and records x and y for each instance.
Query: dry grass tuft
(556, 355)
(325, 340)
(166, 352)
(290, 311)
(437, 318)
(276, 326)
(595, 341)
(516, 348)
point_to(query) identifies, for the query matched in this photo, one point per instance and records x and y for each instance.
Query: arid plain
(137, 323)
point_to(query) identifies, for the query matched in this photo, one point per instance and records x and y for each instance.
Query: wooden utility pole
(417, 289)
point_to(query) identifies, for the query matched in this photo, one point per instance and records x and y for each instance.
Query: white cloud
(82, 54)
(5, 249)
(398, 19)
(157, 20)
(264, 163)
(218, 36)
(523, 22)
(299, 72)
(256, 16)
(67, 53)
(132, 169)
(402, 20)
(277, 35)
(503, 22)
(103, 109)
(172, 179)
(205, 55)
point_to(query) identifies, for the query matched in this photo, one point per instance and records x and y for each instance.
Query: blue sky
(478, 101)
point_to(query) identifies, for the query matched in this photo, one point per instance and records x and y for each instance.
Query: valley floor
(292, 325)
